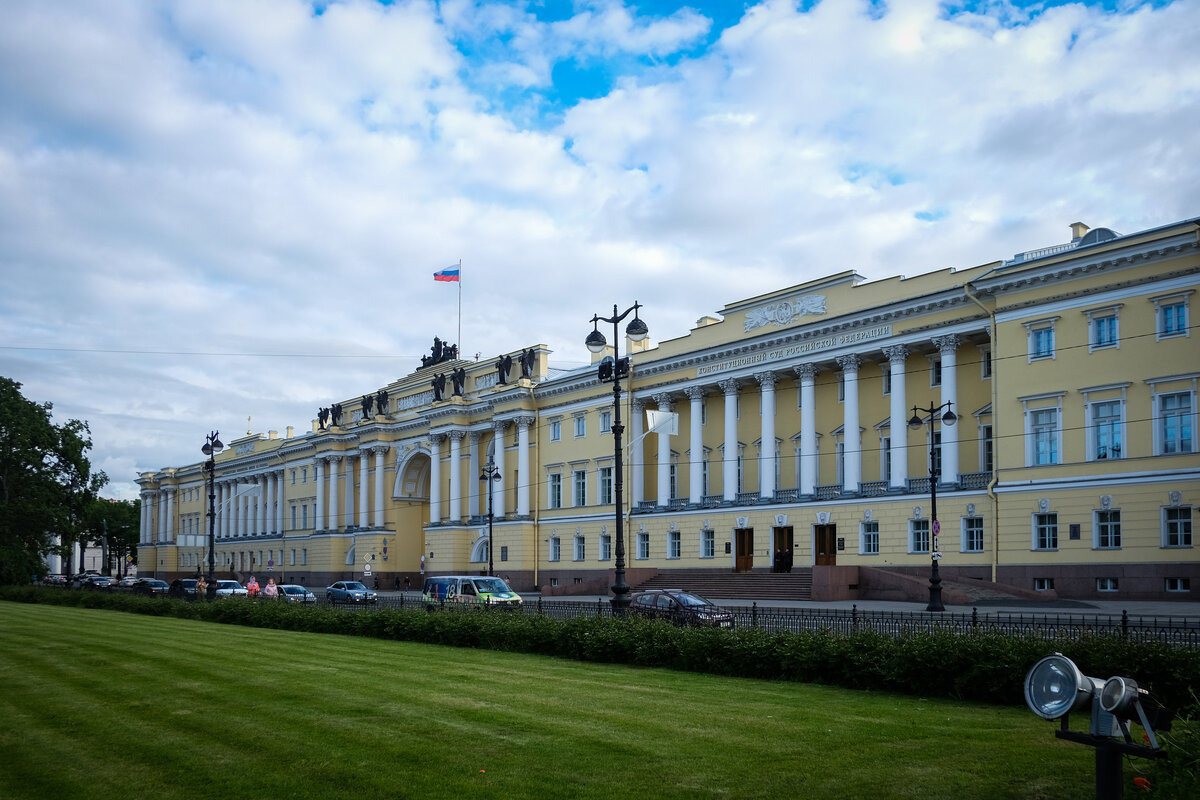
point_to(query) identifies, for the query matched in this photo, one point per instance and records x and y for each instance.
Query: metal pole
(620, 588)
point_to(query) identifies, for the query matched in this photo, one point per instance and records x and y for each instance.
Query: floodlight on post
(212, 446)
(935, 471)
(490, 474)
(613, 371)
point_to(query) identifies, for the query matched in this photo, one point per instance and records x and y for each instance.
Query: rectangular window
(1045, 531)
(304, 475)
(1106, 584)
(293, 561)
(1177, 584)
(972, 535)
(554, 489)
(605, 421)
(1177, 526)
(1173, 319)
(580, 548)
(605, 547)
(555, 551)
(935, 372)
(1175, 423)
(304, 517)
(293, 518)
(708, 544)
(985, 448)
(918, 536)
(869, 538)
(1104, 331)
(579, 493)
(1041, 343)
(555, 431)
(673, 544)
(1043, 584)
(580, 427)
(1044, 427)
(606, 486)
(887, 381)
(985, 363)
(304, 556)
(1108, 530)
(885, 459)
(673, 481)
(1106, 429)
(293, 477)
(643, 545)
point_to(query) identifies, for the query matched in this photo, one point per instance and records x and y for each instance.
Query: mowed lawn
(99, 704)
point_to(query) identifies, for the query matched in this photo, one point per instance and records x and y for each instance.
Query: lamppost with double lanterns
(490, 475)
(613, 368)
(212, 446)
(935, 473)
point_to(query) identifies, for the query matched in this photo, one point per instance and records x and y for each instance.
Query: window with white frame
(985, 363)
(293, 517)
(1045, 531)
(1171, 315)
(605, 421)
(579, 487)
(1177, 584)
(935, 372)
(1177, 526)
(555, 549)
(972, 534)
(1103, 330)
(580, 426)
(304, 475)
(673, 546)
(986, 445)
(293, 558)
(1106, 440)
(887, 380)
(885, 458)
(1106, 584)
(673, 478)
(643, 545)
(1174, 428)
(304, 516)
(293, 477)
(739, 473)
(868, 538)
(1043, 434)
(1043, 584)
(839, 459)
(1107, 527)
(708, 544)
(605, 553)
(554, 490)
(841, 384)
(556, 430)
(1040, 335)
(704, 477)
(304, 556)
(606, 485)
(918, 536)
(580, 548)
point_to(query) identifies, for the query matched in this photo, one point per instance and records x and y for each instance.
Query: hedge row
(985, 667)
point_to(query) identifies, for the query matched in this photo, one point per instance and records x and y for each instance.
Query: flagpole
(460, 341)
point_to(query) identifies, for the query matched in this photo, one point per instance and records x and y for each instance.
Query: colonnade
(453, 506)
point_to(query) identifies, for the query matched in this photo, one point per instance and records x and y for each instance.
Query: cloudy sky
(221, 209)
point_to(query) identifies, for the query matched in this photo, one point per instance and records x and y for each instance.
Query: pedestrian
(777, 564)
(271, 591)
(252, 587)
(787, 560)
(201, 588)
(406, 579)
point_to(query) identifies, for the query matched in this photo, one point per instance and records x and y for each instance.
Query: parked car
(294, 593)
(80, 578)
(468, 589)
(231, 589)
(189, 588)
(151, 586)
(350, 592)
(680, 607)
(93, 582)
(128, 583)
(56, 580)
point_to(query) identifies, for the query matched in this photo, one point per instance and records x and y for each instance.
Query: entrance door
(825, 545)
(782, 551)
(744, 547)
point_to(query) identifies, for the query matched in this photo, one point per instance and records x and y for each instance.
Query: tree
(113, 524)
(46, 483)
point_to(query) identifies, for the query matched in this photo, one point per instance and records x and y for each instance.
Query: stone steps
(726, 584)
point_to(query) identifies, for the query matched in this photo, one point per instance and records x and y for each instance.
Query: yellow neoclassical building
(1072, 463)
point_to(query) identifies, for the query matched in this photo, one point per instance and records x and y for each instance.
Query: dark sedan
(151, 587)
(681, 608)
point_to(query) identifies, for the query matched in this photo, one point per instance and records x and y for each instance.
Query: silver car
(350, 592)
(231, 589)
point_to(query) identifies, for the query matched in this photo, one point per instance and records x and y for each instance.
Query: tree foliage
(46, 483)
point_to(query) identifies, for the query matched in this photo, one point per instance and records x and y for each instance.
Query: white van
(468, 589)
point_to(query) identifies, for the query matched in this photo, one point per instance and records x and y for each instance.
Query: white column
(456, 499)
(766, 451)
(380, 452)
(637, 463)
(948, 346)
(144, 518)
(435, 478)
(363, 485)
(851, 436)
(279, 475)
(664, 454)
(696, 445)
(898, 418)
(170, 492)
(267, 514)
(319, 479)
(729, 462)
(347, 518)
(473, 470)
(333, 521)
(524, 479)
(499, 490)
(808, 429)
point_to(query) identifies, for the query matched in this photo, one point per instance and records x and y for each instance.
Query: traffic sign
(367, 568)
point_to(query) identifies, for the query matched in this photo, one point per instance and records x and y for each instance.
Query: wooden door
(783, 555)
(825, 545)
(744, 549)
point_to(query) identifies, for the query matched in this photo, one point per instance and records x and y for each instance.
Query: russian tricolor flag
(447, 274)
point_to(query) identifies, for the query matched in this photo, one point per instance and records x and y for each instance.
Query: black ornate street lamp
(212, 446)
(490, 474)
(935, 473)
(613, 369)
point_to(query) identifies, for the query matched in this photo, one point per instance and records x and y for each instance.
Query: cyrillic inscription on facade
(799, 349)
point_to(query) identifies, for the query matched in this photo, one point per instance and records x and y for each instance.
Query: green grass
(100, 704)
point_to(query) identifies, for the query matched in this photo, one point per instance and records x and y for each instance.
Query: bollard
(754, 614)
(539, 604)
(975, 619)
(854, 618)
(1124, 624)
